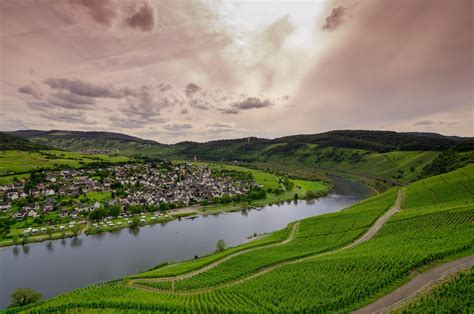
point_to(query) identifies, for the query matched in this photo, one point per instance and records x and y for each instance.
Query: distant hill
(11, 142)
(399, 156)
(92, 142)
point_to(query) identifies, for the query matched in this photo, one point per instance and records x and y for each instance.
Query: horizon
(174, 71)
(237, 138)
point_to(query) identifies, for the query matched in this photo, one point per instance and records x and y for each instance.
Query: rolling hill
(397, 156)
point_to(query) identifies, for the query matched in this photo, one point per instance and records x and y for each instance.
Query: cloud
(184, 111)
(251, 103)
(191, 89)
(102, 11)
(143, 19)
(79, 87)
(220, 125)
(76, 117)
(424, 122)
(336, 18)
(199, 104)
(447, 123)
(164, 87)
(30, 90)
(177, 127)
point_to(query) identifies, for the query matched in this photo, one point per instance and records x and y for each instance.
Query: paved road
(367, 236)
(410, 289)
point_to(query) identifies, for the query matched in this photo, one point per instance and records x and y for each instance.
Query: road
(414, 286)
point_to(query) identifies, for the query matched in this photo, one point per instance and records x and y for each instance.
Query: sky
(175, 70)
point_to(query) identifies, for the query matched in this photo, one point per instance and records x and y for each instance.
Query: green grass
(14, 161)
(187, 266)
(436, 223)
(455, 296)
(97, 196)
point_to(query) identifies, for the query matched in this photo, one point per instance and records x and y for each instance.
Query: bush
(24, 296)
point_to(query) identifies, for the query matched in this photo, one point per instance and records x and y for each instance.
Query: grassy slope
(436, 222)
(14, 161)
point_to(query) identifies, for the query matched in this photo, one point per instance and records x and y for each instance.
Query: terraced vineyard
(456, 296)
(436, 222)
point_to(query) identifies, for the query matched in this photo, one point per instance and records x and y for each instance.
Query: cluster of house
(143, 184)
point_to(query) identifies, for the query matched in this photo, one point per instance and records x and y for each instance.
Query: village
(112, 196)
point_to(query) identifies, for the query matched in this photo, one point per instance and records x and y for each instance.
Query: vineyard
(436, 222)
(456, 296)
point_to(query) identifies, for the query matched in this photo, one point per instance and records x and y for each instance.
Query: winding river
(62, 265)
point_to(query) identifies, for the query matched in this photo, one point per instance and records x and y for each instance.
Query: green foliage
(220, 245)
(455, 296)
(24, 296)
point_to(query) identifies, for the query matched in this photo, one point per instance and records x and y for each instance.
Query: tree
(76, 229)
(220, 245)
(23, 296)
(50, 232)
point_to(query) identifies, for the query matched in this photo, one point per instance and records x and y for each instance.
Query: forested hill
(11, 142)
(375, 141)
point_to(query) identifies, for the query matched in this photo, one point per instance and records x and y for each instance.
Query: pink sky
(200, 70)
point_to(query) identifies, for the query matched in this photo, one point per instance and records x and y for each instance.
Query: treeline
(454, 158)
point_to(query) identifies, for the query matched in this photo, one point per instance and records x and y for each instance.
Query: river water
(62, 265)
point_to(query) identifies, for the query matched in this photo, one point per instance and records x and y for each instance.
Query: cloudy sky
(200, 70)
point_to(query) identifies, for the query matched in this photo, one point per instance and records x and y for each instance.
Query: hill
(396, 156)
(88, 142)
(321, 267)
(8, 141)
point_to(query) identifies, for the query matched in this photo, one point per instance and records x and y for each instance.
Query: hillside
(8, 141)
(89, 142)
(321, 267)
(397, 156)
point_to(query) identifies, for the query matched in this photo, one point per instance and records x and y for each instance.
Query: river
(57, 266)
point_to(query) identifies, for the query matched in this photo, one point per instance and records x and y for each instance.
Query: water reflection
(25, 248)
(76, 242)
(49, 246)
(16, 250)
(135, 231)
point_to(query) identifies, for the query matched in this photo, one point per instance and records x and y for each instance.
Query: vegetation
(455, 296)
(16, 162)
(436, 222)
(11, 142)
(24, 296)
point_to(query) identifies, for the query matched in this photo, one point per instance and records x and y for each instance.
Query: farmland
(435, 223)
(450, 297)
(14, 162)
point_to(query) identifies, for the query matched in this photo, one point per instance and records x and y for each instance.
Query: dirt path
(365, 237)
(290, 238)
(415, 286)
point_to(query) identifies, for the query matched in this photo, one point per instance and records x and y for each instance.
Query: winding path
(415, 286)
(190, 274)
(365, 237)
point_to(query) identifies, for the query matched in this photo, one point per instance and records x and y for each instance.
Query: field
(435, 223)
(19, 162)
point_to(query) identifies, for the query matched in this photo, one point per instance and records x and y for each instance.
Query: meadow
(435, 224)
(15, 163)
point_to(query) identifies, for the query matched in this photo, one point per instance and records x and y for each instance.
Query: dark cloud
(251, 103)
(424, 122)
(336, 18)
(184, 111)
(191, 89)
(143, 19)
(30, 90)
(69, 98)
(177, 127)
(199, 104)
(229, 111)
(79, 87)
